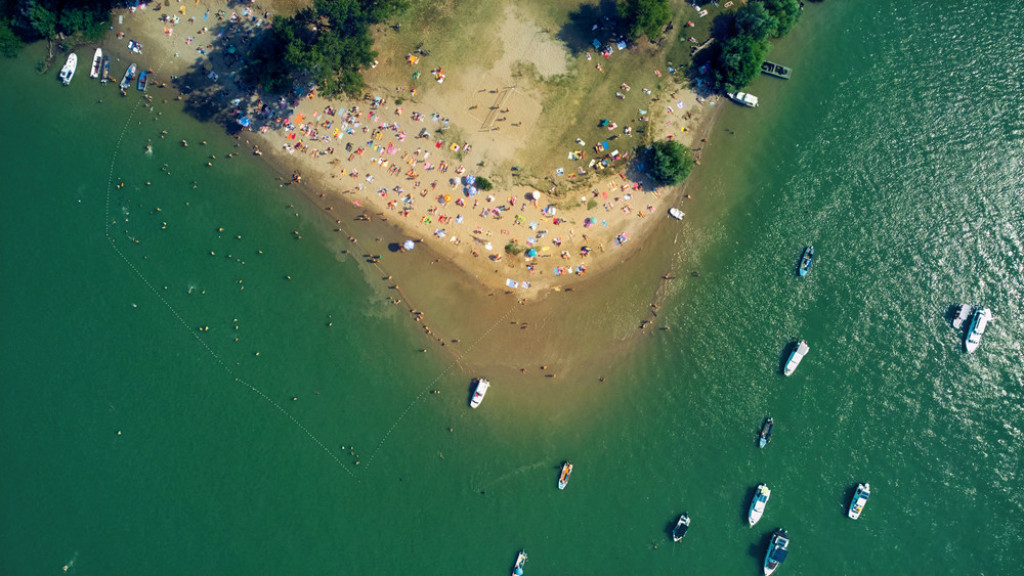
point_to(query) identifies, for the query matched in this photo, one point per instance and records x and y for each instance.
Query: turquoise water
(135, 440)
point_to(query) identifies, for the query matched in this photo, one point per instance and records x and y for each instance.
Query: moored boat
(778, 549)
(478, 395)
(143, 79)
(758, 504)
(126, 80)
(517, 569)
(799, 351)
(743, 98)
(563, 478)
(962, 314)
(860, 498)
(682, 525)
(105, 70)
(97, 62)
(806, 259)
(777, 70)
(765, 435)
(982, 316)
(68, 71)
(676, 213)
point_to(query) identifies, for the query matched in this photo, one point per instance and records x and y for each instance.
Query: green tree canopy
(755, 20)
(644, 17)
(741, 40)
(10, 44)
(328, 43)
(738, 61)
(669, 162)
(787, 12)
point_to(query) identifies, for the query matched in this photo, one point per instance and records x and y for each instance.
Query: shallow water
(136, 442)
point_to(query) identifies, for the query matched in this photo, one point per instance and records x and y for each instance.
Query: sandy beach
(409, 152)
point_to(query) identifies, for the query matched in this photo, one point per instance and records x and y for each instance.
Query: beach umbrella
(488, 246)
(531, 253)
(408, 245)
(244, 121)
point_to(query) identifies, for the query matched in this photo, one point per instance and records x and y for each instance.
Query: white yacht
(97, 62)
(743, 98)
(981, 319)
(68, 71)
(778, 549)
(860, 498)
(758, 504)
(478, 395)
(799, 351)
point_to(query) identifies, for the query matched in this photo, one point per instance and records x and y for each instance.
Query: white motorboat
(126, 80)
(517, 569)
(682, 525)
(743, 98)
(799, 351)
(758, 504)
(97, 62)
(676, 213)
(68, 71)
(982, 316)
(860, 498)
(778, 549)
(478, 395)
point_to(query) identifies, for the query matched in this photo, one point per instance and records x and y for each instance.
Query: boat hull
(979, 322)
(758, 504)
(778, 548)
(682, 526)
(126, 80)
(67, 72)
(795, 357)
(97, 63)
(860, 498)
(765, 435)
(478, 394)
(105, 70)
(806, 259)
(517, 568)
(563, 478)
(744, 99)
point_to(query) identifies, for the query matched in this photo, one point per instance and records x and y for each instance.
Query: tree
(483, 183)
(755, 20)
(328, 43)
(669, 162)
(644, 17)
(737, 61)
(10, 44)
(43, 21)
(787, 12)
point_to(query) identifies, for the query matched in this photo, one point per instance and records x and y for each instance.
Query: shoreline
(391, 159)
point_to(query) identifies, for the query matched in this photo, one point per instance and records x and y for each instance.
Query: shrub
(669, 162)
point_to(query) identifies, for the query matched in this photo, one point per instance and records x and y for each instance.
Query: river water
(197, 379)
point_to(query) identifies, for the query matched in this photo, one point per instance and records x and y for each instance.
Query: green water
(133, 442)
